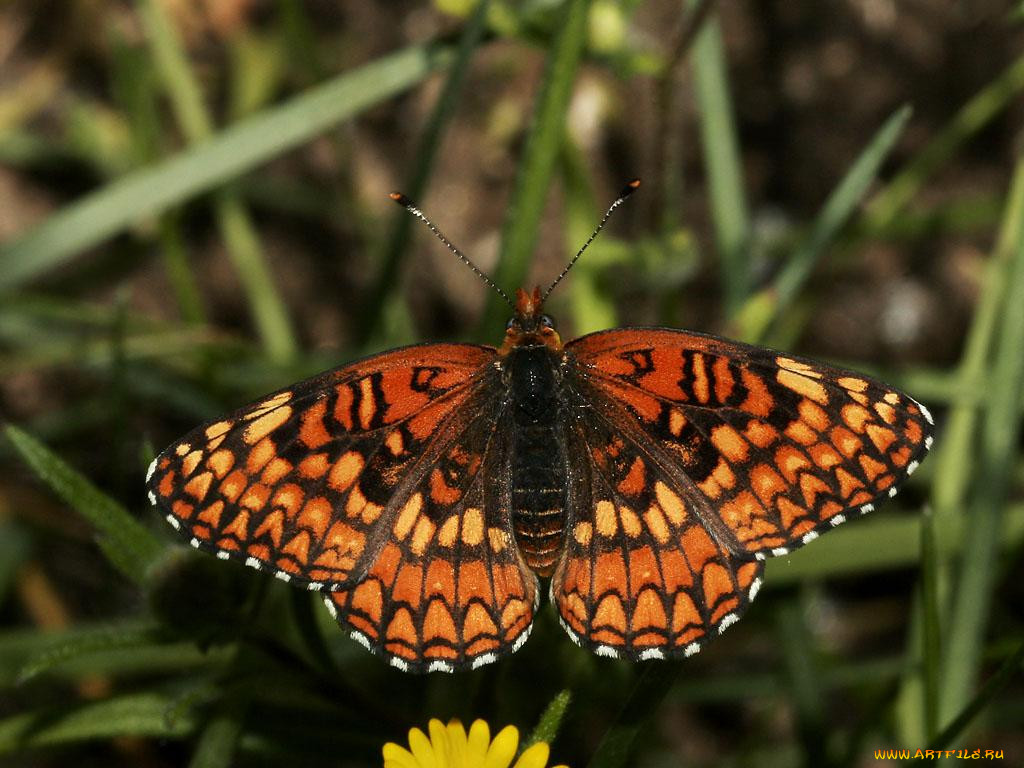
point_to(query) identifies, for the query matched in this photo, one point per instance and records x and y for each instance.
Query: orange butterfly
(647, 472)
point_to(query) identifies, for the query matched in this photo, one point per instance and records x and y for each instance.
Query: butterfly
(646, 472)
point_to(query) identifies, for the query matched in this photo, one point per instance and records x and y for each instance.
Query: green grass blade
(137, 714)
(551, 719)
(652, 686)
(100, 640)
(722, 163)
(760, 311)
(1000, 432)
(540, 153)
(219, 740)
(883, 543)
(382, 294)
(1008, 672)
(930, 626)
(128, 545)
(239, 233)
(977, 113)
(803, 679)
(235, 150)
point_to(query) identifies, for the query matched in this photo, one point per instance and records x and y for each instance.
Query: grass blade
(722, 163)
(1006, 673)
(651, 688)
(126, 542)
(758, 313)
(969, 120)
(540, 153)
(235, 150)
(381, 294)
(1000, 432)
(236, 228)
(219, 740)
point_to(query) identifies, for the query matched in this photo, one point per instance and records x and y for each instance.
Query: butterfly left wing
(768, 449)
(449, 589)
(302, 483)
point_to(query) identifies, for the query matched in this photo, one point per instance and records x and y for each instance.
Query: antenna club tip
(631, 187)
(401, 199)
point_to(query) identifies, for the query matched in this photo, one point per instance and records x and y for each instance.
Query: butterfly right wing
(640, 576)
(303, 483)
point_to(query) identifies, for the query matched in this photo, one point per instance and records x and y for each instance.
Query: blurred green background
(193, 211)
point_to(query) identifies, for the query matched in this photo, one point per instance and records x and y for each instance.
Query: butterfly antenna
(410, 206)
(628, 190)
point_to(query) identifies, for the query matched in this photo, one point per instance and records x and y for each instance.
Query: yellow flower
(450, 747)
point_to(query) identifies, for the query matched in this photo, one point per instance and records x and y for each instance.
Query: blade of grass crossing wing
(764, 307)
(125, 541)
(383, 292)
(235, 150)
(540, 153)
(999, 435)
(722, 163)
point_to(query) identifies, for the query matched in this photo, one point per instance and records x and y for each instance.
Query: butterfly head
(529, 326)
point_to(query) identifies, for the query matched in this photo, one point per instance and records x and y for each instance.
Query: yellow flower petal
(439, 741)
(458, 745)
(422, 749)
(479, 739)
(398, 757)
(534, 757)
(503, 748)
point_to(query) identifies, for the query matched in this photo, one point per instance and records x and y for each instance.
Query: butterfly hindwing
(640, 577)
(448, 589)
(771, 450)
(301, 482)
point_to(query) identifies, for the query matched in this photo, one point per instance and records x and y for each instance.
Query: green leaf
(101, 640)
(129, 546)
(762, 308)
(237, 149)
(217, 745)
(138, 714)
(540, 153)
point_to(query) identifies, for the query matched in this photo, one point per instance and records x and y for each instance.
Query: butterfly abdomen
(538, 471)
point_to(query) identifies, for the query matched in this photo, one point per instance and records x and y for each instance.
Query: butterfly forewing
(769, 450)
(303, 482)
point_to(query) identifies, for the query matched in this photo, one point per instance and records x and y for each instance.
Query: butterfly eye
(510, 324)
(547, 321)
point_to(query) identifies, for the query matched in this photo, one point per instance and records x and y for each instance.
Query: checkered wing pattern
(771, 449)
(449, 589)
(705, 456)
